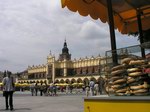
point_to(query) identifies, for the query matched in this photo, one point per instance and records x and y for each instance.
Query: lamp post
(99, 68)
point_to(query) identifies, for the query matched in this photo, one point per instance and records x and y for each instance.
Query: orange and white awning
(124, 12)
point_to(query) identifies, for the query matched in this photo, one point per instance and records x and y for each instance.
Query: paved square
(24, 102)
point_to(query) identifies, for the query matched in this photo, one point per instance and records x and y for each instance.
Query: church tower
(65, 53)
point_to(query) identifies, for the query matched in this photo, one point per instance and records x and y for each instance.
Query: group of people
(44, 89)
(95, 88)
(53, 89)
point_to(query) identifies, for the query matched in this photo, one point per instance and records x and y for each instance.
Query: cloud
(91, 30)
(30, 29)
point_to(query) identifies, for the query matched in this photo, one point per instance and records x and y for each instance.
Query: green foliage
(146, 35)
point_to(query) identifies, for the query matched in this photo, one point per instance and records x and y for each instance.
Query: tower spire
(65, 52)
(50, 53)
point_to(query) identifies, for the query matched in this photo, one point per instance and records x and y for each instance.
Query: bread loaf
(134, 74)
(137, 87)
(118, 72)
(126, 60)
(134, 70)
(140, 91)
(118, 67)
(119, 81)
(137, 62)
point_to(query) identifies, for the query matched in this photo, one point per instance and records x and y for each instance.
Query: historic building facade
(66, 70)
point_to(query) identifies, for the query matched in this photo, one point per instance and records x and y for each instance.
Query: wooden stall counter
(117, 104)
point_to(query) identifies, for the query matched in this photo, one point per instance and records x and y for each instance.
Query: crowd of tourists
(95, 88)
(53, 89)
(44, 89)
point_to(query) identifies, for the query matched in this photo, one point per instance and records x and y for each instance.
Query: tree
(146, 35)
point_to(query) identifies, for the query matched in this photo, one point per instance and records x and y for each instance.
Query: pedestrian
(71, 88)
(45, 91)
(91, 84)
(83, 88)
(87, 89)
(36, 89)
(101, 85)
(8, 90)
(51, 89)
(54, 90)
(41, 89)
(96, 88)
(67, 89)
(32, 87)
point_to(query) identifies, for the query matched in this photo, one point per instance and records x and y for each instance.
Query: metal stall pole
(112, 33)
(140, 32)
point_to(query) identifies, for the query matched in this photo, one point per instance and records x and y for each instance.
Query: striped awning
(124, 12)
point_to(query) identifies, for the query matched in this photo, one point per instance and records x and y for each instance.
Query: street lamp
(99, 68)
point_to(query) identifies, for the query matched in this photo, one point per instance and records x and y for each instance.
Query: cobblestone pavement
(24, 102)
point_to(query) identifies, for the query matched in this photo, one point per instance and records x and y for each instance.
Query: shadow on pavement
(3, 110)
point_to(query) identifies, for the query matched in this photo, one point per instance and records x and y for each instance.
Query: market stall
(131, 76)
(128, 84)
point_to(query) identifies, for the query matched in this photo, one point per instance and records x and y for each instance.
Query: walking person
(32, 89)
(54, 90)
(87, 89)
(51, 89)
(101, 85)
(67, 89)
(45, 91)
(71, 88)
(96, 88)
(36, 89)
(41, 89)
(8, 89)
(91, 84)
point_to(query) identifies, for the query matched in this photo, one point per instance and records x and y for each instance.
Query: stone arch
(73, 81)
(92, 78)
(67, 81)
(56, 81)
(86, 81)
(41, 81)
(62, 81)
(79, 80)
(100, 78)
(33, 81)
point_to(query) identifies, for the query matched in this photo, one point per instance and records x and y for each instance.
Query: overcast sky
(29, 29)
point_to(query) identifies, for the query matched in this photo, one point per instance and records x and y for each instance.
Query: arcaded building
(65, 70)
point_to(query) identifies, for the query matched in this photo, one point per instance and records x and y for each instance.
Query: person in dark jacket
(101, 85)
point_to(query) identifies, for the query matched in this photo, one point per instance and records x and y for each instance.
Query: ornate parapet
(36, 69)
